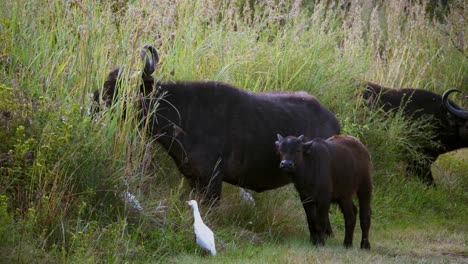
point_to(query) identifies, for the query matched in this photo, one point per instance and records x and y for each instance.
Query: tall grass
(66, 204)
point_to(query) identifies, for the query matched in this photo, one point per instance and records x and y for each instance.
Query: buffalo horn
(456, 112)
(150, 63)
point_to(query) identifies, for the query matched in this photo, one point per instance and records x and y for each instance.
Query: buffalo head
(110, 86)
(291, 150)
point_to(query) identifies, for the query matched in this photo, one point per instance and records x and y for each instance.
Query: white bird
(132, 201)
(247, 196)
(205, 237)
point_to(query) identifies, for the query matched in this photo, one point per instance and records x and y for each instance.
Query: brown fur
(325, 171)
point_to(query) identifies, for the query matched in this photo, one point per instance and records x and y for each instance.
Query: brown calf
(325, 171)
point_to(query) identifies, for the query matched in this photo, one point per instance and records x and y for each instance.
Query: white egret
(205, 237)
(247, 196)
(132, 201)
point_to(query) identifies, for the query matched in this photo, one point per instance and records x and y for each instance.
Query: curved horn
(454, 111)
(150, 63)
(301, 137)
(154, 53)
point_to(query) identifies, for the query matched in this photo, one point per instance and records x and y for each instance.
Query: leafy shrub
(51, 164)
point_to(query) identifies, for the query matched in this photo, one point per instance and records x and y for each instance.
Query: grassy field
(64, 173)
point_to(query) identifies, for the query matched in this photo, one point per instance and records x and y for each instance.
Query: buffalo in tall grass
(329, 170)
(449, 122)
(216, 132)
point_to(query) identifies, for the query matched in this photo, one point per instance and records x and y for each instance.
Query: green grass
(66, 204)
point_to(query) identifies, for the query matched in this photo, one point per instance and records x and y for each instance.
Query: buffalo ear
(307, 147)
(280, 138)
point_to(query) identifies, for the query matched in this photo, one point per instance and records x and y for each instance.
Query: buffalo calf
(325, 171)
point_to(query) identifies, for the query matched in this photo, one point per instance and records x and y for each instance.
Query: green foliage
(109, 243)
(64, 174)
(50, 163)
(392, 139)
(15, 114)
(451, 171)
(6, 223)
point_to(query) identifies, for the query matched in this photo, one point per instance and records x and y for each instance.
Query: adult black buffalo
(216, 132)
(450, 122)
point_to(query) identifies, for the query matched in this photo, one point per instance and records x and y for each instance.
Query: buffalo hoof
(318, 242)
(365, 244)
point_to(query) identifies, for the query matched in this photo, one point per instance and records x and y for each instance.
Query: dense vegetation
(64, 174)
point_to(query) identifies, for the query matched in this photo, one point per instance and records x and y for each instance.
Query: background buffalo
(448, 121)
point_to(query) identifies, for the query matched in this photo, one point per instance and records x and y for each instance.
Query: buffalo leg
(214, 187)
(208, 183)
(328, 230)
(310, 208)
(349, 213)
(323, 208)
(422, 169)
(365, 218)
